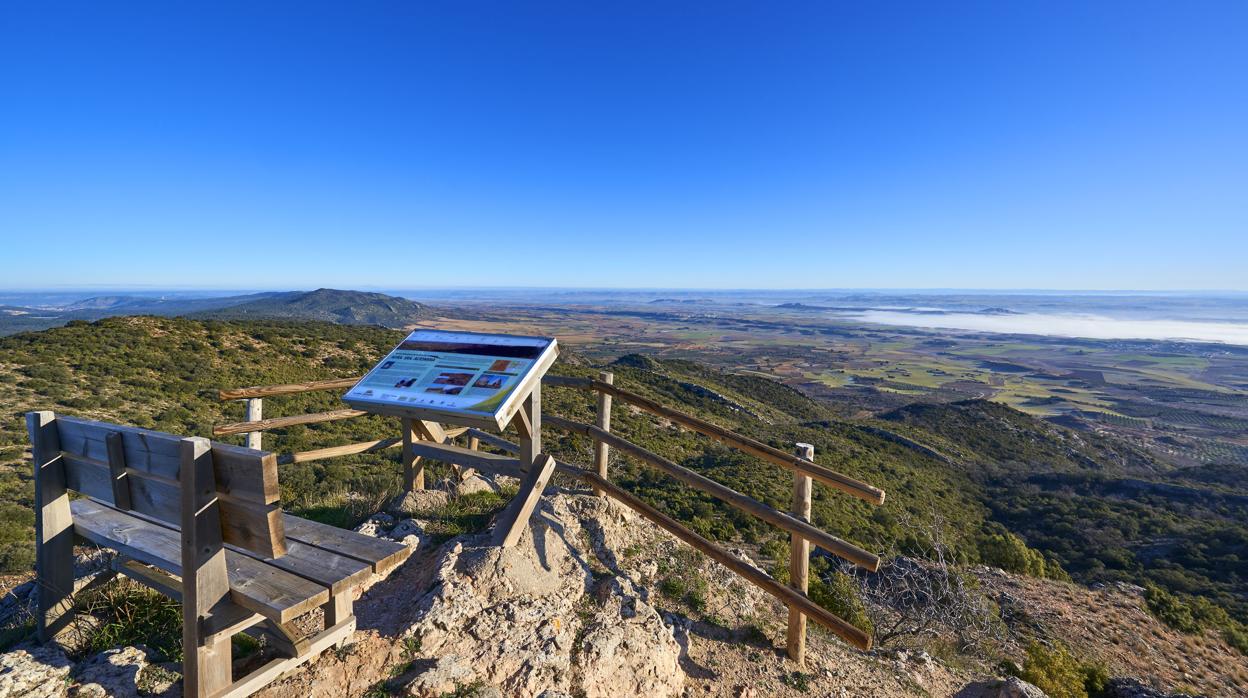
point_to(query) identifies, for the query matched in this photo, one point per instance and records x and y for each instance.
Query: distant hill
(328, 305)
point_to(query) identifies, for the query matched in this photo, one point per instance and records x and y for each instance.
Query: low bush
(1060, 674)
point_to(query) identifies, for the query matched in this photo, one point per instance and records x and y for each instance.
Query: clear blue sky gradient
(784, 145)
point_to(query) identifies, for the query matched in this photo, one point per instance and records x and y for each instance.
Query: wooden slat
(512, 523)
(276, 668)
(334, 451)
(242, 473)
(458, 455)
(743, 502)
(151, 577)
(255, 527)
(381, 555)
(287, 389)
(753, 575)
(265, 589)
(283, 422)
(413, 471)
(831, 478)
(245, 474)
(337, 572)
(117, 469)
(493, 440)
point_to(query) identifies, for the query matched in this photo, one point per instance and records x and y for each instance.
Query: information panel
(461, 377)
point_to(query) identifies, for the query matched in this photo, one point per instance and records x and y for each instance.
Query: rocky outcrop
(1012, 687)
(31, 671)
(532, 618)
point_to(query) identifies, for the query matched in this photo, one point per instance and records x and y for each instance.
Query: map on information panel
(479, 378)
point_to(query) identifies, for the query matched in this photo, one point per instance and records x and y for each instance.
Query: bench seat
(279, 589)
(200, 522)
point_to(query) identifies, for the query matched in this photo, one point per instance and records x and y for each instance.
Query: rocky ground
(576, 610)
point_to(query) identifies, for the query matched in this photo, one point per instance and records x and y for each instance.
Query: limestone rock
(375, 524)
(1012, 687)
(628, 648)
(514, 619)
(419, 502)
(34, 671)
(113, 672)
(473, 484)
(1133, 688)
(405, 528)
(409, 532)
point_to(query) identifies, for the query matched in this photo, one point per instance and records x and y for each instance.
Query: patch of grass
(797, 680)
(470, 513)
(244, 646)
(132, 614)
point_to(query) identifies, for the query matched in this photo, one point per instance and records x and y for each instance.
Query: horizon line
(150, 288)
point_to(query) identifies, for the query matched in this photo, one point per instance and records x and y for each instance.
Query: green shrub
(1010, 553)
(1060, 674)
(836, 591)
(1195, 614)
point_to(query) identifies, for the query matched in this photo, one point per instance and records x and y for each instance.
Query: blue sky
(761, 145)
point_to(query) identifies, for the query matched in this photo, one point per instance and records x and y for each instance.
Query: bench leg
(54, 529)
(206, 662)
(208, 669)
(337, 610)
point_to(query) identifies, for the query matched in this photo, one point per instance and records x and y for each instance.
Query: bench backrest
(142, 471)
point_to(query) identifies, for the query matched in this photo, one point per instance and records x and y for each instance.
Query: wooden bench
(199, 522)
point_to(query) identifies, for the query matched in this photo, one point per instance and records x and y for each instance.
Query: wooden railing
(423, 439)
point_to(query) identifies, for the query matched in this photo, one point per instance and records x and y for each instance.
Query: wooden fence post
(601, 450)
(413, 478)
(799, 558)
(255, 412)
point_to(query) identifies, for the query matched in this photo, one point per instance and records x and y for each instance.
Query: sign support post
(468, 379)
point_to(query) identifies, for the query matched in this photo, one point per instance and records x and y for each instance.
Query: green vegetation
(1060, 674)
(1195, 614)
(132, 614)
(1010, 553)
(837, 592)
(1009, 490)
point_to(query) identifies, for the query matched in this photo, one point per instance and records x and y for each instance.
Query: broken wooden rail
(425, 440)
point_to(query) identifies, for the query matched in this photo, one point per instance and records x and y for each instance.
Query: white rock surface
(113, 672)
(32, 671)
(519, 619)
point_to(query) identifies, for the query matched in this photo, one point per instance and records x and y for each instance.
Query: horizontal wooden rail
(281, 422)
(492, 440)
(748, 504)
(831, 478)
(456, 455)
(789, 597)
(334, 451)
(287, 389)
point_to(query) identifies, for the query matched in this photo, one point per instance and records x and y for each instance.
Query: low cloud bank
(1091, 326)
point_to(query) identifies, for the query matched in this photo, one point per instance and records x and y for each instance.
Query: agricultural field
(1187, 402)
